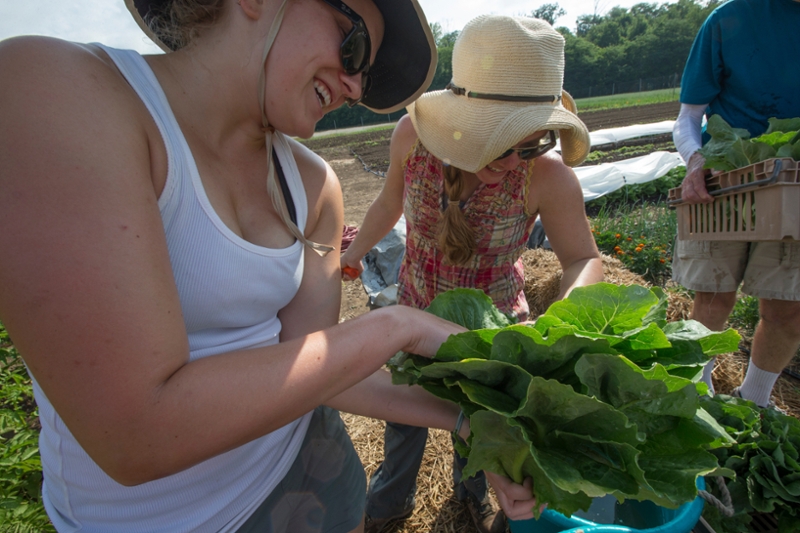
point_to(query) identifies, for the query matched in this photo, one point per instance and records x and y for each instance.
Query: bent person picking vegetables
(471, 167)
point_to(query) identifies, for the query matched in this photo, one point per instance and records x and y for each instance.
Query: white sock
(707, 375)
(757, 385)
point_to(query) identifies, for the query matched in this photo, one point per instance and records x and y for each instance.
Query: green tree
(549, 12)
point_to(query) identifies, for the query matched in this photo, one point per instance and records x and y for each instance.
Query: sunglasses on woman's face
(546, 143)
(356, 48)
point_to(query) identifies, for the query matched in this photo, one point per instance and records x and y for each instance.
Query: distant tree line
(643, 47)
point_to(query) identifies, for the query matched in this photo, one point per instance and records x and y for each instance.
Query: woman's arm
(89, 295)
(557, 196)
(316, 307)
(385, 211)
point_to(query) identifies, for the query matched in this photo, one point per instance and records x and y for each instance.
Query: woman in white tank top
(169, 289)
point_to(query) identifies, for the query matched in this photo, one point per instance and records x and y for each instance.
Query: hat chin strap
(274, 191)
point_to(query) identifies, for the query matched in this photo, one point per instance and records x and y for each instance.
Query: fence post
(613, 88)
(640, 84)
(334, 123)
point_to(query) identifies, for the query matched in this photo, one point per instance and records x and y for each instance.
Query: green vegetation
(643, 48)
(732, 148)
(21, 508)
(641, 238)
(745, 314)
(765, 457)
(334, 134)
(597, 397)
(617, 101)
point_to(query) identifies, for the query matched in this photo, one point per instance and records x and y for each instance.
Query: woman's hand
(351, 266)
(517, 501)
(427, 332)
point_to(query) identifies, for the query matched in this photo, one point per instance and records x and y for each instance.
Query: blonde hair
(456, 237)
(178, 21)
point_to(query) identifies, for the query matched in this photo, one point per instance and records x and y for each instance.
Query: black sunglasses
(546, 144)
(356, 48)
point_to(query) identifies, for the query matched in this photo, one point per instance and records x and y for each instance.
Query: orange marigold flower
(641, 244)
(662, 260)
(618, 236)
(620, 252)
(637, 250)
(629, 238)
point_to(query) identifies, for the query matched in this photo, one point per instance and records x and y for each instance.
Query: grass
(616, 101)
(339, 133)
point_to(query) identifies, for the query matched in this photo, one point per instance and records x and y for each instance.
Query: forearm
(579, 274)
(686, 133)
(217, 403)
(377, 397)
(381, 217)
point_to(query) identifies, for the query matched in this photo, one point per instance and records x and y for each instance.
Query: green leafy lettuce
(765, 459)
(599, 396)
(731, 148)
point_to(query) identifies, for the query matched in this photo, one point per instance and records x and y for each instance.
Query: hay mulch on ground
(543, 282)
(437, 510)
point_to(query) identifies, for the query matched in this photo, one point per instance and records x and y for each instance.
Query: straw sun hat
(507, 84)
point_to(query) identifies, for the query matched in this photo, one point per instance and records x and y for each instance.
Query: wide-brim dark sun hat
(404, 65)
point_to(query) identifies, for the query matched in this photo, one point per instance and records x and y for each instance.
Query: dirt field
(350, 156)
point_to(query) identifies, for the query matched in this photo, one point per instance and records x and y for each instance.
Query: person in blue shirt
(744, 65)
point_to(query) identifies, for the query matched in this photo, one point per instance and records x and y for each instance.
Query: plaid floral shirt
(499, 218)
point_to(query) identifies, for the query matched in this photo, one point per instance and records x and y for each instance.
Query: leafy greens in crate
(595, 398)
(732, 148)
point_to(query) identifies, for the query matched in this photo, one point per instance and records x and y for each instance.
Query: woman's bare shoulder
(64, 73)
(403, 137)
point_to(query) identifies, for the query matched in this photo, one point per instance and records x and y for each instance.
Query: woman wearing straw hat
(166, 276)
(471, 168)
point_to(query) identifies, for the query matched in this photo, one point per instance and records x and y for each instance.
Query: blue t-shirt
(745, 63)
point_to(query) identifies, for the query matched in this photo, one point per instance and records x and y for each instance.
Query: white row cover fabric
(613, 135)
(599, 180)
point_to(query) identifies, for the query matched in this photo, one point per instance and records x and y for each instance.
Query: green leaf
(605, 308)
(470, 308)
(783, 124)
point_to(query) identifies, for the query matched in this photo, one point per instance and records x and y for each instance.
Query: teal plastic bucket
(628, 517)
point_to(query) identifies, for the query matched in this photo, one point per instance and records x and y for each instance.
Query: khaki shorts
(324, 490)
(769, 270)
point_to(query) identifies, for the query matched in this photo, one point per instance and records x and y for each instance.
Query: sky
(109, 22)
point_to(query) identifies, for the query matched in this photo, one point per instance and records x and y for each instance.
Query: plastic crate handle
(758, 183)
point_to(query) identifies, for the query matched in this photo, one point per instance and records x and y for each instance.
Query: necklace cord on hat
(502, 97)
(275, 193)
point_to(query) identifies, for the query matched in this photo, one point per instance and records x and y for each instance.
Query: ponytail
(456, 238)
